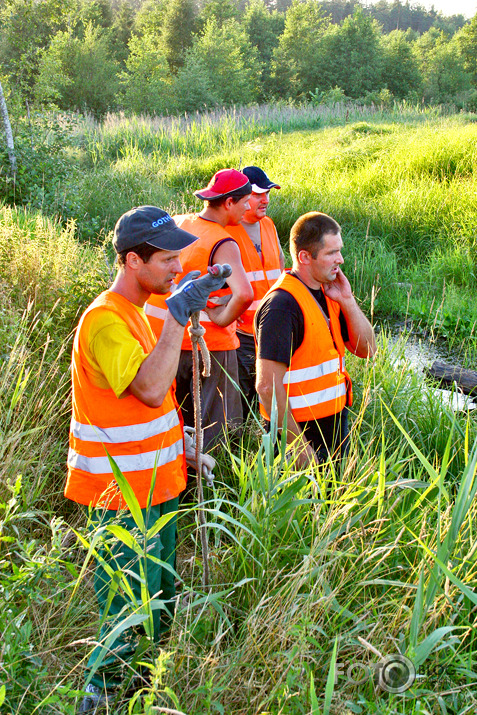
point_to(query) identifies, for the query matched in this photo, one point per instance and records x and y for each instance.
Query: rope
(196, 332)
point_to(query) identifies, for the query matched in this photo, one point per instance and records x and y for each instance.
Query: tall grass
(377, 558)
(400, 182)
(381, 565)
(206, 133)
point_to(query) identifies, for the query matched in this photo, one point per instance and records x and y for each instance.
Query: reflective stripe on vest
(317, 398)
(125, 433)
(311, 373)
(262, 271)
(126, 463)
(155, 311)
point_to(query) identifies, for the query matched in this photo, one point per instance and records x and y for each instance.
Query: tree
(467, 41)
(397, 15)
(442, 67)
(354, 56)
(219, 10)
(400, 67)
(177, 28)
(26, 29)
(263, 29)
(338, 10)
(8, 133)
(233, 67)
(121, 30)
(79, 73)
(192, 90)
(95, 12)
(146, 82)
(297, 65)
(149, 18)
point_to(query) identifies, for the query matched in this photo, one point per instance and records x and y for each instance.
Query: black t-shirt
(280, 329)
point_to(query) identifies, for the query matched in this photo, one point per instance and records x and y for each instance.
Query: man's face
(157, 275)
(258, 207)
(324, 267)
(237, 210)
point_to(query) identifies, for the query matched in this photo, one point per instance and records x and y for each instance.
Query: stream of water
(420, 353)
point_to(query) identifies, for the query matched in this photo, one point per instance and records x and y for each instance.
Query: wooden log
(466, 379)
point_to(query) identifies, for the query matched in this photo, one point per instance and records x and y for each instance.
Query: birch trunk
(8, 132)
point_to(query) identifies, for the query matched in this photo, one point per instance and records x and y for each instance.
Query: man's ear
(133, 261)
(304, 257)
(228, 203)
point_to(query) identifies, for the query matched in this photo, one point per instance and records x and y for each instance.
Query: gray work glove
(192, 293)
(208, 462)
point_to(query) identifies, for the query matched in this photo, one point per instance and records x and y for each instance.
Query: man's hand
(361, 340)
(208, 462)
(338, 290)
(192, 292)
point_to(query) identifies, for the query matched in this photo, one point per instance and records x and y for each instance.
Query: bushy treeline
(174, 56)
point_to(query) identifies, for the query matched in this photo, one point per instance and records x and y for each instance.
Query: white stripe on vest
(125, 433)
(155, 311)
(315, 398)
(311, 373)
(128, 462)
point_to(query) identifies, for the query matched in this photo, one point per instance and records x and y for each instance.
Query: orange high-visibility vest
(263, 271)
(197, 257)
(316, 381)
(138, 437)
(156, 311)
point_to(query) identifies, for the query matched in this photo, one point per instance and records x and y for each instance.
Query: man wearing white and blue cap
(125, 419)
(263, 261)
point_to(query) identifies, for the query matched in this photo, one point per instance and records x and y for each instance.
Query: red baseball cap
(226, 182)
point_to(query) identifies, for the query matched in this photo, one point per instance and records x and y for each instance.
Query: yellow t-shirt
(114, 356)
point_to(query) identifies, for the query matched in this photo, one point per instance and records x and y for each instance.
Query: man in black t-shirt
(302, 327)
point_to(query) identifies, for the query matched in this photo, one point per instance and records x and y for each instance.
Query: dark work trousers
(115, 667)
(329, 436)
(220, 397)
(247, 371)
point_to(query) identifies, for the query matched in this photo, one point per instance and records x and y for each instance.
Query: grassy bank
(401, 183)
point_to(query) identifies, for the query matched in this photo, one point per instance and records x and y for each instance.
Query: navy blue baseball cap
(259, 180)
(149, 224)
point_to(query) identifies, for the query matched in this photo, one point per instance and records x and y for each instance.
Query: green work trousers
(117, 654)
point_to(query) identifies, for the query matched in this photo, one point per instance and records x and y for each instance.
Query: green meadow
(316, 576)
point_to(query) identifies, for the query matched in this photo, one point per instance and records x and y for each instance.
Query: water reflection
(419, 352)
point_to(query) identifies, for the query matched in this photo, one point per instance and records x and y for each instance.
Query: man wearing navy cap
(263, 261)
(124, 410)
(226, 200)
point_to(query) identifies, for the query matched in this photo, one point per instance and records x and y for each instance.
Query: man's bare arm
(270, 376)
(239, 284)
(158, 370)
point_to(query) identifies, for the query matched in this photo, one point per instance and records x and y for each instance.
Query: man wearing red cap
(263, 261)
(226, 200)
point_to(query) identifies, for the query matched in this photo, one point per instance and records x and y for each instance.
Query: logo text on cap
(161, 221)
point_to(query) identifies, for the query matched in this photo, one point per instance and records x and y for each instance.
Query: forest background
(178, 56)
